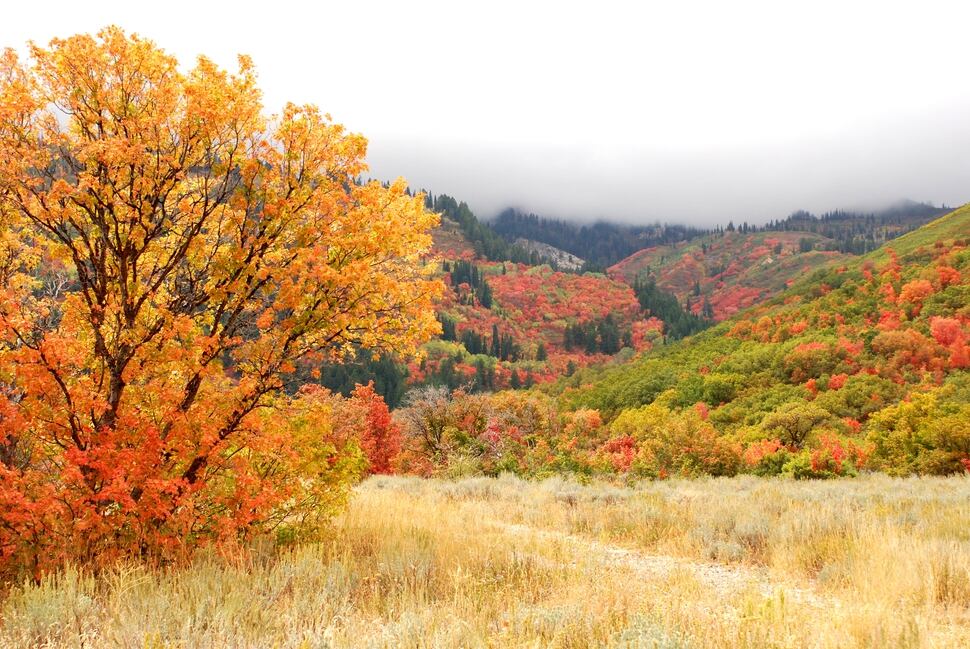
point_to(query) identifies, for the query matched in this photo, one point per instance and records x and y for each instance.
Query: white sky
(676, 110)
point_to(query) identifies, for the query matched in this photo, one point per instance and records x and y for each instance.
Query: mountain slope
(508, 325)
(726, 272)
(861, 232)
(601, 243)
(870, 355)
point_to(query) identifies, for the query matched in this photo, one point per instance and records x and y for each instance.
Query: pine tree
(541, 353)
(707, 310)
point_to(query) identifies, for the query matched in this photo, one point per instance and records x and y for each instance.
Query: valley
(254, 393)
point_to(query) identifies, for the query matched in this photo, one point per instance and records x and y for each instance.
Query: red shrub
(380, 437)
(946, 331)
(947, 276)
(759, 450)
(836, 381)
(620, 451)
(835, 456)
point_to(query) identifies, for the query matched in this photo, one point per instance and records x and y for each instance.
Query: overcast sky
(676, 111)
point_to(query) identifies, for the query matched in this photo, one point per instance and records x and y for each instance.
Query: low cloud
(924, 158)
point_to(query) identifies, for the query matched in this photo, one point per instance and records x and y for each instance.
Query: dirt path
(724, 579)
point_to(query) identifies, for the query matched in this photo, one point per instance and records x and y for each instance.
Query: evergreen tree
(678, 321)
(707, 310)
(388, 374)
(448, 326)
(541, 353)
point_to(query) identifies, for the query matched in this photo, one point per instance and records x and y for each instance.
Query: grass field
(744, 562)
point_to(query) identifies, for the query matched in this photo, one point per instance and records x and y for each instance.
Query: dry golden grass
(874, 562)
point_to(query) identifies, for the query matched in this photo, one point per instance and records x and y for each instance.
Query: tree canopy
(169, 253)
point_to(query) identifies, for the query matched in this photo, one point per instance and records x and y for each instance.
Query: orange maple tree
(168, 254)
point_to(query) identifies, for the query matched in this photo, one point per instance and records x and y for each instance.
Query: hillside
(509, 320)
(718, 272)
(861, 232)
(509, 323)
(725, 272)
(603, 243)
(518, 313)
(600, 243)
(864, 360)
(506, 324)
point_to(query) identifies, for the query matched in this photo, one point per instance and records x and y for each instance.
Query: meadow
(501, 562)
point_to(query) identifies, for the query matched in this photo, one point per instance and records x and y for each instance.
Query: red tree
(380, 436)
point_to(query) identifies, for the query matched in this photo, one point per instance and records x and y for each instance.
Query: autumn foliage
(167, 255)
(379, 435)
(858, 366)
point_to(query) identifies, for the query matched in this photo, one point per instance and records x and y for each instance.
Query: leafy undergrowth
(505, 563)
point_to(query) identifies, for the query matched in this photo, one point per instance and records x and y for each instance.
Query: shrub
(926, 435)
(793, 423)
(685, 445)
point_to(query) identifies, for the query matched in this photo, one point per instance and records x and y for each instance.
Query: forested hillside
(866, 361)
(861, 232)
(719, 274)
(510, 324)
(601, 243)
(858, 365)
(511, 321)
(479, 237)
(604, 244)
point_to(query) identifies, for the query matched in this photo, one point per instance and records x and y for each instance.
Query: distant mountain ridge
(718, 272)
(859, 232)
(601, 244)
(604, 243)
